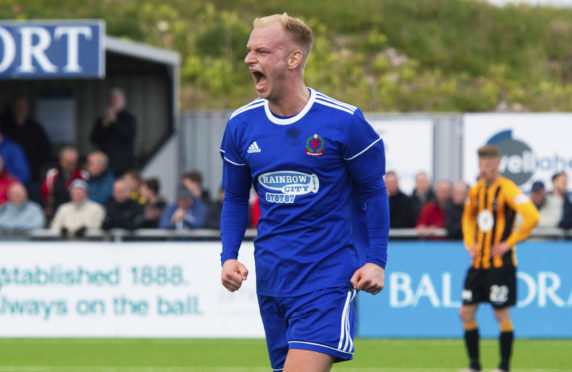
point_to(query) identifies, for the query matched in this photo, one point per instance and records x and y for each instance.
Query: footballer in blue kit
(318, 168)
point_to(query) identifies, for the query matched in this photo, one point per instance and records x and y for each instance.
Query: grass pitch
(249, 355)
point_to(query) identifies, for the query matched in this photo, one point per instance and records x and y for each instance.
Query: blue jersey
(319, 177)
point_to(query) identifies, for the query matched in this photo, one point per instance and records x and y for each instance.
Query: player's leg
(275, 327)
(471, 335)
(473, 294)
(307, 361)
(321, 328)
(506, 337)
(502, 296)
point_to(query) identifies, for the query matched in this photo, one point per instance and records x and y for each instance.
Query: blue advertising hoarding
(52, 49)
(423, 286)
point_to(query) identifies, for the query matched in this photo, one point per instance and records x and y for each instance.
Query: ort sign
(63, 49)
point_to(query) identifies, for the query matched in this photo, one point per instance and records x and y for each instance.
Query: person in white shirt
(549, 206)
(74, 217)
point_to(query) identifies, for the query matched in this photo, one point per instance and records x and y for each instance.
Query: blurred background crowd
(106, 191)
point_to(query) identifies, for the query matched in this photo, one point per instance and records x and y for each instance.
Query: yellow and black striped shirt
(489, 218)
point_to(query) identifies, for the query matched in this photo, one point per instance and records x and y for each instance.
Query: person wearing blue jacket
(14, 158)
(189, 212)
(100, 179)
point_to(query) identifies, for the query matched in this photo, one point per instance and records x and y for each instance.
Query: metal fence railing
(119, 235)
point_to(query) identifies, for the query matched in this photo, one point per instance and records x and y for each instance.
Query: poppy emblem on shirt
(315, 146)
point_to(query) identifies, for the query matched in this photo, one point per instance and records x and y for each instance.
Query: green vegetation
(218, 355)
(382, 55)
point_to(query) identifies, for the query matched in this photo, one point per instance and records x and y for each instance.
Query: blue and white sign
(526, 156)
(424, 281)
(63, 49)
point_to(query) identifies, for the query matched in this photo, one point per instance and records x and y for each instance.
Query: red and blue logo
(315, 146)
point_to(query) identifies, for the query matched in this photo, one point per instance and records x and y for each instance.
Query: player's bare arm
(370, 278)
(233, 274)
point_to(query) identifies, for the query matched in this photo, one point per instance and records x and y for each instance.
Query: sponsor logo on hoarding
(519, 161)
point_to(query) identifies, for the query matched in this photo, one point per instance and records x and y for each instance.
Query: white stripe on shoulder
(232, 162)
(335, 101)
(221, 150)
(364, 150)
(252, 105)
(329, 104)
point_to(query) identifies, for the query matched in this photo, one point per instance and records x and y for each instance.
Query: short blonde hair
(489, 151)
(301, 34)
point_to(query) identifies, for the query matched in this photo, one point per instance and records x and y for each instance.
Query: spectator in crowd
(6, 180)
(155, 203)
(189, 212)
(454, 211)
(422, 193)
(55, 188)
(14, 158)
(255, 211)
(215, 210)
(432, 215)
(6, 117)
(550, 207)
(19, 213)
(560, 191)
(100, 177)
(33, 139)
(73, 218)
(123, 212)
(401, 209)
(194, 182)
(114, 133)
(133, 179)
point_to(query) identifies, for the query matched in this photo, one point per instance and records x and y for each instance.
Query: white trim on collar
(293, 119)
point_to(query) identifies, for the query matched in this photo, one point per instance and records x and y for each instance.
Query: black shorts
(494, 285)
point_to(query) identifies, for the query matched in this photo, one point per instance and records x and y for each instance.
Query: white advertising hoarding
(123, 290)
(408, 148)
(533, 146)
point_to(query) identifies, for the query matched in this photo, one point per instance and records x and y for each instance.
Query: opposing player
(490, 238)
(317, 167)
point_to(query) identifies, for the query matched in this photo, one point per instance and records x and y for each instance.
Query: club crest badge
(315, 146)
(485, 220)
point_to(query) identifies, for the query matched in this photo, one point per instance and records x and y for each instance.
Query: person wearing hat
(189, 212)
(74, 217)
(550, 208)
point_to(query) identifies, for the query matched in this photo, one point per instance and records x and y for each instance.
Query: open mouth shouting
(260, 80)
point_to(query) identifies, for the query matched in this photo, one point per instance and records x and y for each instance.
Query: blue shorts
(322, 321)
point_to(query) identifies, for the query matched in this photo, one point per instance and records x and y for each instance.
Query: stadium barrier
(210, 234)
(172, 289)
(132, 289)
